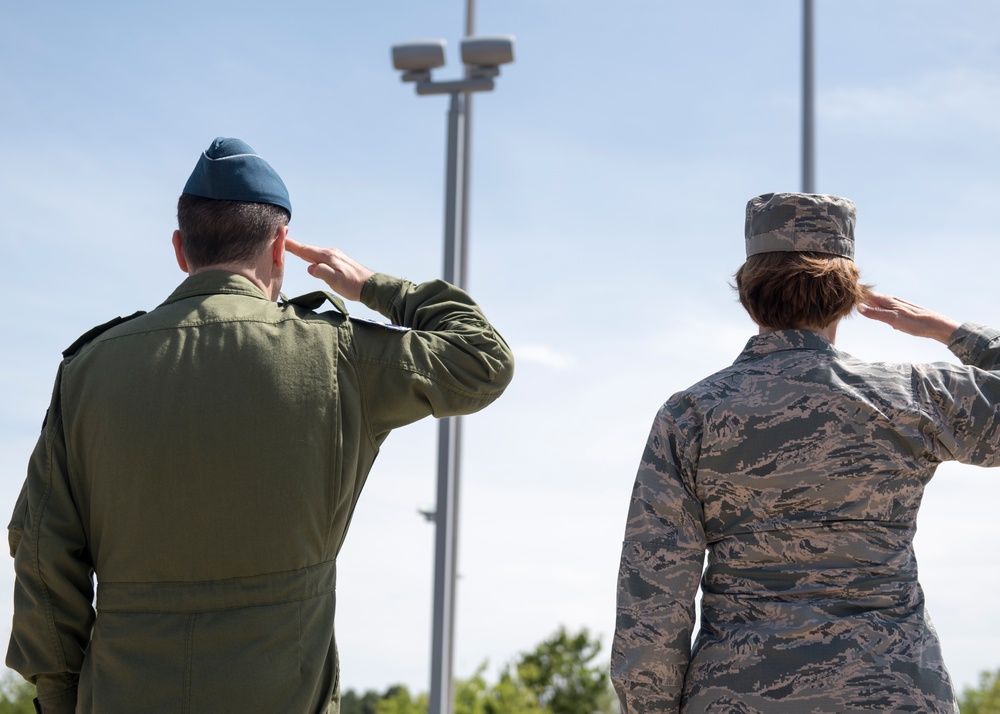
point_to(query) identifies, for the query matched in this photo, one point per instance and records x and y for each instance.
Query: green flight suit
(202, 462)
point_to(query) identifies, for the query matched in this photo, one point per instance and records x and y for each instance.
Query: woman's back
(810, 471)
(800, 471)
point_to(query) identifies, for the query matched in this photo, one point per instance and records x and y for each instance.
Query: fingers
(908, 317)
(894, 312)
(887, 308)
(344, 275)
(878, 304)
(324, 272)
(312, 254)
(308, 253)
(875, 300)
(881, 314)
(878, 307)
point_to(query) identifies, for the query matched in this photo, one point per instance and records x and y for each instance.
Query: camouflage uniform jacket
(204, 461)
(800, 470)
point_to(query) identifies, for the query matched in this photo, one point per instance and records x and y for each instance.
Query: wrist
(944, 330)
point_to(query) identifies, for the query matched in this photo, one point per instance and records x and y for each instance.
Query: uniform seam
(196, 611)
(180, 296)
(50, 619)
(363, 388)
(430, 377)
(109, 583)
(201, 323)
(189, 663)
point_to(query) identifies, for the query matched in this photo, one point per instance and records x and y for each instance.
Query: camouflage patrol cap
(799, 222)
(230, 170)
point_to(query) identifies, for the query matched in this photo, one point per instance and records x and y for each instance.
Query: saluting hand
(907, 317)
(344, 275)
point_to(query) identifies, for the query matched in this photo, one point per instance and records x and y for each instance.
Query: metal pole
(470, 29)
(445, 514)
(454, 201)
(808, 128)
(456, 251)
(462, 281)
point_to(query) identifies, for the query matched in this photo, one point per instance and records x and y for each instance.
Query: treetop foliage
(984, 699)
(559, 676)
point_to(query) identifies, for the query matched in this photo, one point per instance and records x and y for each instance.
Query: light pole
(482, 57)
(808, 128)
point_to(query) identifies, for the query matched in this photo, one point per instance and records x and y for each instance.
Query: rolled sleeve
(977, 346)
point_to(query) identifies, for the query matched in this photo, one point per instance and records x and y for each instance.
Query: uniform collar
(215, 282)
(782, 341)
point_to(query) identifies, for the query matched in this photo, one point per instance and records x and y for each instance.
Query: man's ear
(178, 241)
(278, 247)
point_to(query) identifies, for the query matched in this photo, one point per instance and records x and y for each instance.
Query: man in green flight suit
(202, 462)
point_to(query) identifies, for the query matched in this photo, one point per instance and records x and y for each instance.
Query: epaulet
(312, 301)
(382, 325)
(95, 331)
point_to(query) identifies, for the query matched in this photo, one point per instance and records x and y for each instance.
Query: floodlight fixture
(417, 59)
(484, 55)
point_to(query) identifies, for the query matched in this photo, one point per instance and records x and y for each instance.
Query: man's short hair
(217, 232)
(788, 290)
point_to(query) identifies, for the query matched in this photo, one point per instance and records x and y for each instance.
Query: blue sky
(610, 170)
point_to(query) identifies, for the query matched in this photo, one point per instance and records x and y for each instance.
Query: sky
(610, 169)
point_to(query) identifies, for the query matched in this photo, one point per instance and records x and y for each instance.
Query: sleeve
(449, 360)
(53, 588)
(977, 346)
(661, 564)
(16, 528)
(962, 404)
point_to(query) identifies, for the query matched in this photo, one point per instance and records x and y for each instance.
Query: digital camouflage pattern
(800, 470)
(797, 222)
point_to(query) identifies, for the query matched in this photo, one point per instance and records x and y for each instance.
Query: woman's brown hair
(787, 290)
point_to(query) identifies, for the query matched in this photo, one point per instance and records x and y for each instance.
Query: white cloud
(544, 356)
(962, 96)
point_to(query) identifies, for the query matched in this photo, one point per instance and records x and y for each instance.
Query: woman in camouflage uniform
(800, 470)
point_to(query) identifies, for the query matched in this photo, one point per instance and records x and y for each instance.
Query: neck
(265, 280)
(829, 332)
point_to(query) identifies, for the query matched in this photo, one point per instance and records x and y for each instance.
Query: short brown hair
(787, 290)
(217, 231)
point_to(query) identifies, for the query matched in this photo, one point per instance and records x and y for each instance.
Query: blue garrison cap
(229, 170)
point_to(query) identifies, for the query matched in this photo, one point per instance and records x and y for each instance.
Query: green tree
(353, 703)
(508, 696)
(559, 676)
(984, 699)
(15, 694)
(472, 696)
(563, 676)
(398, 700)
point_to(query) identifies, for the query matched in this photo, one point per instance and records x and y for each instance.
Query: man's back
(207, 458)
(224, 410)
